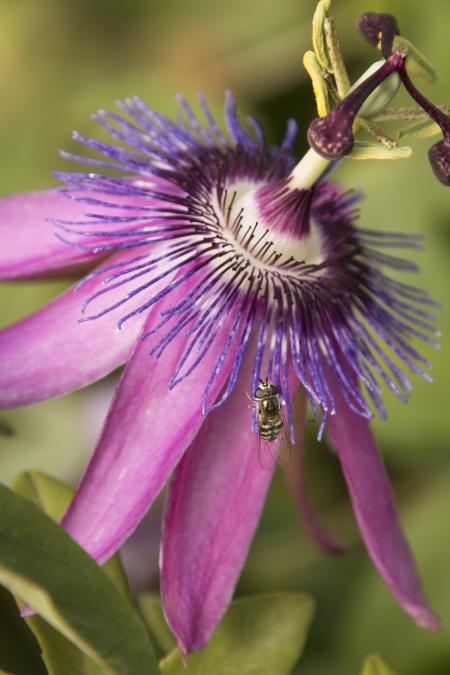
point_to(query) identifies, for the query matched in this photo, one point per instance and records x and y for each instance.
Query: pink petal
(50, 353)
(374, 507)
(29, 245)
(214, 505)
(146, 432)
(294, 476)
(28, 227)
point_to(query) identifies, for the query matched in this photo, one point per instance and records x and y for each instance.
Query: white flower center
(255, 238)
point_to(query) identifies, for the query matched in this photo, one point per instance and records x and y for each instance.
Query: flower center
(229, 240)
(270, 227)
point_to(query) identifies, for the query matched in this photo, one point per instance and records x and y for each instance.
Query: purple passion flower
(217, 268)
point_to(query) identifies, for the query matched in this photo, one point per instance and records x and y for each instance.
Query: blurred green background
(60, 60)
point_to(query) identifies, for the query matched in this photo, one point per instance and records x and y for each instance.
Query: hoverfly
(273, 437)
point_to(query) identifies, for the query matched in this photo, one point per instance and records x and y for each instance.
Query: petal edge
(374, 508)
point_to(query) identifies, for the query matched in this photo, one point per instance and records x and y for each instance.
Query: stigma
(270, 226)
(332, 136)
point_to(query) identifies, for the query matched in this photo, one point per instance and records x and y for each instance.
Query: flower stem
(308, 171)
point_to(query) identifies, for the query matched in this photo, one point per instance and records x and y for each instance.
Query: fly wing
(284, 448)
(278, 450)
(267, 454)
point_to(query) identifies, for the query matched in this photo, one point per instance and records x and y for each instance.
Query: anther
(380, 30)
(332, 136)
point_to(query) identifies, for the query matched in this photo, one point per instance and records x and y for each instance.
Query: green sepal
(365, 150)
(259, 635)
(44, 567)
(318, 34)
(416, 63)
(374, 665)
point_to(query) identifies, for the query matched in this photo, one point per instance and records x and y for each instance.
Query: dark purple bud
(439, 156)
(332, 136)
(379, 29)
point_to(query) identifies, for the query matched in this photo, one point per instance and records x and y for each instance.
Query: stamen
(379, 30)
(332, 136)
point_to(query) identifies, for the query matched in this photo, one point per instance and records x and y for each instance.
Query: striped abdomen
(269, 430)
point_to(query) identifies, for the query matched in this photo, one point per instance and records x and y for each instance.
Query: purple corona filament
(285, 261)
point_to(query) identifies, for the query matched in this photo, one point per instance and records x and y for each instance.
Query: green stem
(308, 171)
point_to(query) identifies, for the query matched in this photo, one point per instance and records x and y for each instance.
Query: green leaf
(60, 655)
(365, 150)
(19, 651)
(318, 34)
(43, 566)
(373, 665)
(416, 63)
(54, 497)
(259, 635)
(151, 610)
(46, 492)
